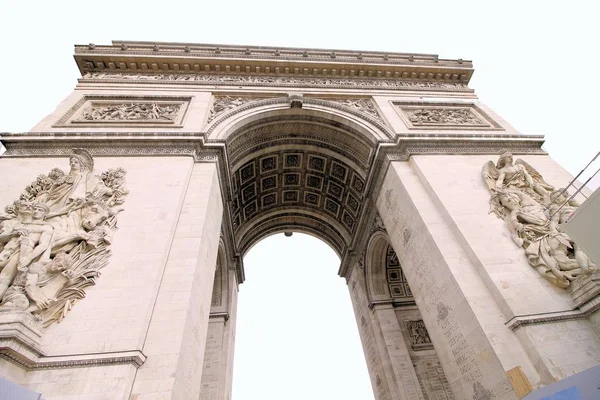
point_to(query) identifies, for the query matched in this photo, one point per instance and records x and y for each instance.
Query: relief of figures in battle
(534, 211)
(54, 240)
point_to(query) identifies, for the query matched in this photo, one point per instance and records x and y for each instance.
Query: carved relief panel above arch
(446, 116)
(126, 111)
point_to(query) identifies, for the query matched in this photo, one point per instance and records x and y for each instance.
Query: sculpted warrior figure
(55, 239)
(79, 183)
(533, 211)
(34, 238)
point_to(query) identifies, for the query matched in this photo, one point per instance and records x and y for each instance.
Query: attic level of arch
(144, 57)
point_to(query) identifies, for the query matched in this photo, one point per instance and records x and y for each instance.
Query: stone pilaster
(176, 337)
(433, 264)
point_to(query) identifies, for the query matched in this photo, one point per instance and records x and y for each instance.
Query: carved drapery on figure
(54, 240)
(130, 112)
(533, 211)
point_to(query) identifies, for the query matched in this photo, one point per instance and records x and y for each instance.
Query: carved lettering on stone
(130, 112)
(444, 116)
(55, 238)
(279, 81)
(534, 211)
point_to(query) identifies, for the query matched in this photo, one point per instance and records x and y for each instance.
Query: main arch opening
(297, 337)
(304, 170)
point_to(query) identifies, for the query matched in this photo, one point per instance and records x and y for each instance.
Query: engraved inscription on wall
(420, 262)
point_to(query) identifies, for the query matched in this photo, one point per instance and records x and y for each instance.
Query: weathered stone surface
(378, 155)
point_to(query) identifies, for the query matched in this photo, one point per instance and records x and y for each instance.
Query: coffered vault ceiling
(300, 174)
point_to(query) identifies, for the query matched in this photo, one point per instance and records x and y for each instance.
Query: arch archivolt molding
(311, 224)
(370, 127)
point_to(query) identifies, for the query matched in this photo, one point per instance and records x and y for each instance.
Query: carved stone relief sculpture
(363, 105)
(224, 104)
(130, 112)
(444, 116)
(450, 116)
(417, 332)
(280, 81)
(55, 238)
(533, 211)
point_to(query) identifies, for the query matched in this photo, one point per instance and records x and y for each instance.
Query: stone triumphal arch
(169, 161)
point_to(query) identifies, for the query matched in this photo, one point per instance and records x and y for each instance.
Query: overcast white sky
(535, 65)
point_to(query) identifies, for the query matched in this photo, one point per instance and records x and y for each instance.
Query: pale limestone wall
(229, 341)
(12, 372)
(561, 349)
(194, 119)
(382, 388)
(154, 296)
(454, 302)
(177, 333)
(114, 315)
(396, 348)
(426, 363)
(211, 372)
(455, 185)
(97, 383)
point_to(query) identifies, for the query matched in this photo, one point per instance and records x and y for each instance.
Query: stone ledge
(20, 335)
(559, 316)
(30, 361)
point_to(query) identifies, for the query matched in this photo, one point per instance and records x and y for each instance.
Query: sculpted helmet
(84, 158)
(42, 206)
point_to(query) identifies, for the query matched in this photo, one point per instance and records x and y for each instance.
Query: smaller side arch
(220, 300)
(375, 268)
(385, 279)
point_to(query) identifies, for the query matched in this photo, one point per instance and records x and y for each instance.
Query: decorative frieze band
(276, 81)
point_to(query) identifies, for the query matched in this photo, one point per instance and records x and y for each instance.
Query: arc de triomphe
(463, 284)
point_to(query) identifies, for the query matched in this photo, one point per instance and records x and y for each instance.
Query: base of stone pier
(586, 291)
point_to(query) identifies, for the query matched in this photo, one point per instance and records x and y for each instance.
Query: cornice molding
(207, 58)
(13, 352)
(536, 319)
(20, 335)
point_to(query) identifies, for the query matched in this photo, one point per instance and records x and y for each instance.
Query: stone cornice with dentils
(163, 58)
